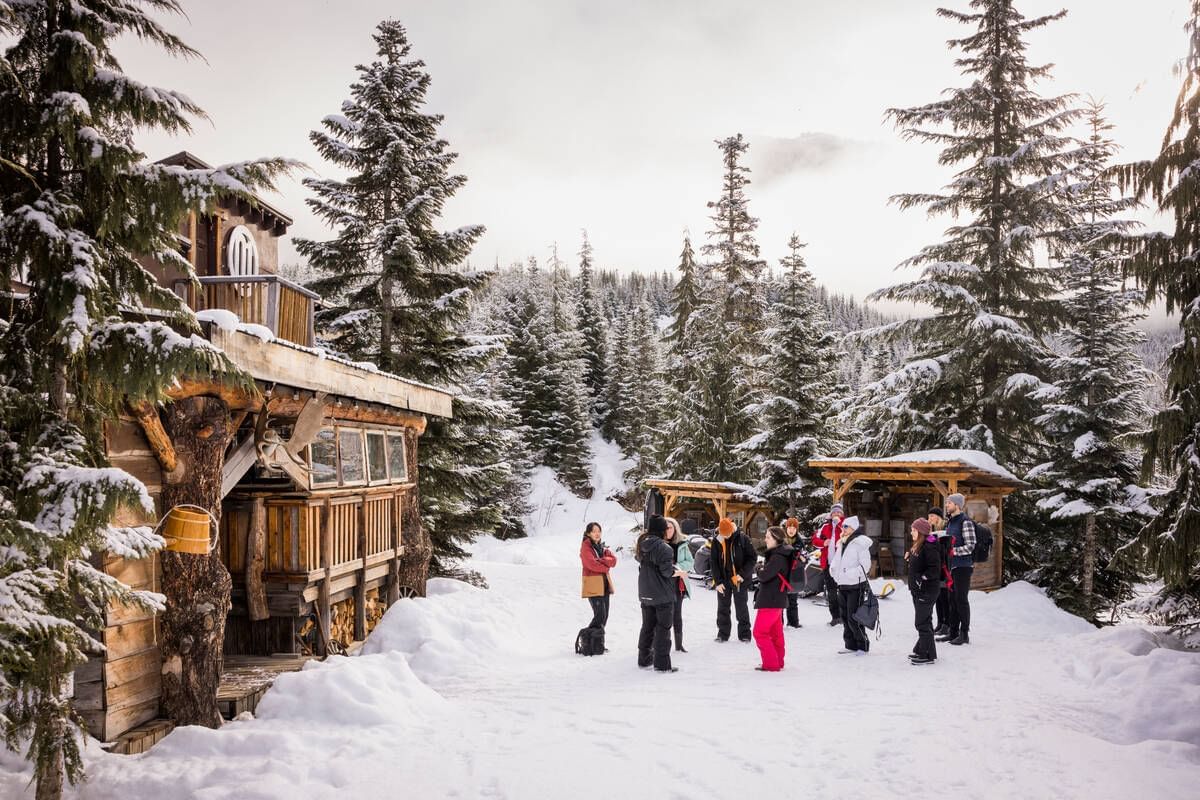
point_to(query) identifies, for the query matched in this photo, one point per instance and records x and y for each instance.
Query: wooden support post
(160, 443)
(256, 546)
(324, 607)
(360, 587)
(669, 504)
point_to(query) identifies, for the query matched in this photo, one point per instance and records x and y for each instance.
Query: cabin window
(322, 458)
(758, 526)
(396, 457)
(377, 462)
(353, 460)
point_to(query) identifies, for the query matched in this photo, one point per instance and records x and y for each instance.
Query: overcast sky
(571, 114)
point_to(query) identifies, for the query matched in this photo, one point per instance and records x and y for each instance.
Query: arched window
(241, 253)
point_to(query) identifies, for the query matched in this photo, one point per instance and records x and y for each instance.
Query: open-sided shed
(889, 493)
(706, 502)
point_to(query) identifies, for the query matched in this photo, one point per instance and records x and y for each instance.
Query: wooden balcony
(271, 301)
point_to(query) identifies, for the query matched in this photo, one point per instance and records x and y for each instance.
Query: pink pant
(768, 635)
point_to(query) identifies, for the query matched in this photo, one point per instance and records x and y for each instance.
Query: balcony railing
(269, 300)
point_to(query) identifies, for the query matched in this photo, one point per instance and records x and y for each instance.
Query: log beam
(292, 406)
(235, 397)
(160, 443)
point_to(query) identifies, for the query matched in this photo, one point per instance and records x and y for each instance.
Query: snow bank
(452, 631)
(223, 319)
(1023, 608)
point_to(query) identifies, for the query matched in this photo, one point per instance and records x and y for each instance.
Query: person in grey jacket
(657, 581)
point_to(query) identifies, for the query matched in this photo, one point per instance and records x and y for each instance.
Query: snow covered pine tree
(591, 329)
(1096, 403)
(791, 420)
(78, 205)
(394, 296)
(1167, 267)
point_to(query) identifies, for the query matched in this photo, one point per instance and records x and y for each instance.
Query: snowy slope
(477, 694)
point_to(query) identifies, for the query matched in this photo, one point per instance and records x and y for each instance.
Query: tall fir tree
(966, 383)
(1096, 404)
(729, 322)
(78, 206)
(792, 419)
(394, 294)
(1166, 266)
(591, 328)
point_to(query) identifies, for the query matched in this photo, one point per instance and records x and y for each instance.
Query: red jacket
(824, 538)
(593, 567)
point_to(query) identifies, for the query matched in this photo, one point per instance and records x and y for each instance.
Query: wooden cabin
(320, 535)
(701, 504)
(888, 494)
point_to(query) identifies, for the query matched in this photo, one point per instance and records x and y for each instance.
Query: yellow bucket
(188, 531)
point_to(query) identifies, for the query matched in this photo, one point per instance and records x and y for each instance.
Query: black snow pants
(654, 640)
(793, 611)
(923, 603)
(832, 597)
(853, 633)
(960, 602)
(740, 600)
(599, 611)
(943, 607)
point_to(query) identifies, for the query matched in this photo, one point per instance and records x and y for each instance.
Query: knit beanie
(922, 526)
(836, 508)
(657, 525)
(792, 522)
(958, 500)
(726, 527)
(850, 524)
(937, 512)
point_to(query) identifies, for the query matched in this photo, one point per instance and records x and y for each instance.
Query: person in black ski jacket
(791, 537)
(657, 576)
(924, 583)
(732, 567)
(771, 599)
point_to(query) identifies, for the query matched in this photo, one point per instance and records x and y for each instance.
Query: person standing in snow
(826, 539)
(791, 537)
(732, 565)
(924, 578)
(849, 563)
(657, 592)
(937, 522)
(685, 562)
(597, 583)
(961, 531)
(771, 599)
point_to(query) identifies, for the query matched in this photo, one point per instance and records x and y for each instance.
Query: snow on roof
(976, 459)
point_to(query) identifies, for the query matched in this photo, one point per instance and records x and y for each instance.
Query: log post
(324, 607)
(197, 587)
(360, 588)
(418, 547)
(256, 546)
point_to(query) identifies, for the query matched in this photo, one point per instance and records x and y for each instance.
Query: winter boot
(921, 661)
(962, 638)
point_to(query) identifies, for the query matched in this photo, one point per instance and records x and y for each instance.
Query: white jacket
(850, 564)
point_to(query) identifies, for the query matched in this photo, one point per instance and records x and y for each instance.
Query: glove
(737, 581)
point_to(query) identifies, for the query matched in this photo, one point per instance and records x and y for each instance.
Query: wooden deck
(246, 679)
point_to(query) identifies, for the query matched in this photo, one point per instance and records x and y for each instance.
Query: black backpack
(983, 543)
(795, 574)
(590, 642)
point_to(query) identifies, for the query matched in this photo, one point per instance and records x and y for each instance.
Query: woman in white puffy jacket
(849, 565)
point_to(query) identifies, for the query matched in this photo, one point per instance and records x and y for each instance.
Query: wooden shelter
(888, 494)
(313, 482)
(707, 502)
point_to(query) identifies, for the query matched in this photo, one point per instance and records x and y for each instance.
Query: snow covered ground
(478, 694)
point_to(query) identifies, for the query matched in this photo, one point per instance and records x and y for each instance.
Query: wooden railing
(278, 304)
(363, 529)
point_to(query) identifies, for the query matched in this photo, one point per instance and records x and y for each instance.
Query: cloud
(773, 158)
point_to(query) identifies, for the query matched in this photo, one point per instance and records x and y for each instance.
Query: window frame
(313, 483)
(341, 461)
(396, 433)
(387, 466)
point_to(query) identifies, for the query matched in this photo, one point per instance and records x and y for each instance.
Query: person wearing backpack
(685, 561)
(795, 577)
(849, 563)
(961, 531)
(924, 578)
(657, 591)
(597, 582)
(771, 599)
(826, 538)
(732, 565)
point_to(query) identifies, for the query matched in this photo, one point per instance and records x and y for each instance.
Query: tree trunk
(418, 547)
(197, 587)
(1089, 560)
(256, 546)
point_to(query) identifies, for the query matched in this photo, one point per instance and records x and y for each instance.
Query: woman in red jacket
(597, 583)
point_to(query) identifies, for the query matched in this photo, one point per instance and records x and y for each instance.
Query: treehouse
(888, 494)
(701, 504)
(313, 488)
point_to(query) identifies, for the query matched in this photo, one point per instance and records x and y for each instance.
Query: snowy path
(477, 694)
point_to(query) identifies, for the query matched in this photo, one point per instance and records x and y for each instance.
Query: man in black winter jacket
(732, 567)
(657, 593)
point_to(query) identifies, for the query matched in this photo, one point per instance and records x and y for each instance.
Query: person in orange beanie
(732, 566)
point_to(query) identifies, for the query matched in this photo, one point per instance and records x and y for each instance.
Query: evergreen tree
(791, 420)
(591, 328)
(78, 206)
(966, 383)
(394, 295)
(1096, 403)
(685, 298)
(728, 340)
(620, 345)
(1166, 267)
(643, 394)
